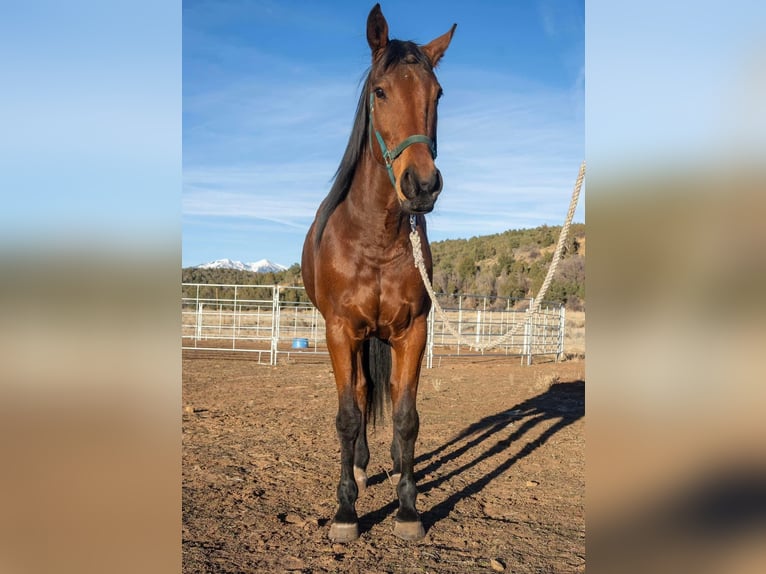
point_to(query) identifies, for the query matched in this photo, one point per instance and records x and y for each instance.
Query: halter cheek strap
(390, 155)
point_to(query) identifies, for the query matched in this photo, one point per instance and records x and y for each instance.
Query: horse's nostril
(436, 188)
(409, 185)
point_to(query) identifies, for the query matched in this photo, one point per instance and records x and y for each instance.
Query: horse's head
(403, 95)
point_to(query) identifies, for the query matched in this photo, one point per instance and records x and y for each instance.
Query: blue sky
(270, 89)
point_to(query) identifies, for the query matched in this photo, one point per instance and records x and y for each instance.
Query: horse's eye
(439, 95)
(380, 94)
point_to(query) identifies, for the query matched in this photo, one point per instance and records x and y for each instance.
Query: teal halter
(390, 155)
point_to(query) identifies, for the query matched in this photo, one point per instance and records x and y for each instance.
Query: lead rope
(417, 253)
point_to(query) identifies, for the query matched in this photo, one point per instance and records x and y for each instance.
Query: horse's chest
(380, 299)
(400, 297)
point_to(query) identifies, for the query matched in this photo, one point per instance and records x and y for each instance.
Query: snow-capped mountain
(265, 266)
(262, 266)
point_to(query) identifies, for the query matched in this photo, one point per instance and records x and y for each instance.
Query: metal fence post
(274, 325)
(528, 332)
(459, 321)
(478, 327)
(314, 326)
(234, 321)
(198, 333)
(562, 327)
(430, 340)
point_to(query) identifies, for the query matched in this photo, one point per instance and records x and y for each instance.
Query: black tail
(376, 359)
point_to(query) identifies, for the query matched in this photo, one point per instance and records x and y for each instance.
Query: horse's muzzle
(420, 193)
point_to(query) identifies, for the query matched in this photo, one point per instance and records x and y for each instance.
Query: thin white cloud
(547, 17)
(287, 195)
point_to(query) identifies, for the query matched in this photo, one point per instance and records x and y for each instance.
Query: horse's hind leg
(361, 450)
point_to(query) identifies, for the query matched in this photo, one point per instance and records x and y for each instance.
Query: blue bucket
(300, 343)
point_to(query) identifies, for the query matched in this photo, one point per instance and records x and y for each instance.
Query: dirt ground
(499, 463)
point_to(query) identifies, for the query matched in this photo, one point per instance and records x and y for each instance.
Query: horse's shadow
(562, 402)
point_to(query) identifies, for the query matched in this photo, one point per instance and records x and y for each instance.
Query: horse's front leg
(407, 356)
(349, 422)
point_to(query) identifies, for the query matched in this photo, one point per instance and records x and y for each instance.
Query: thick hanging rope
(417, 252)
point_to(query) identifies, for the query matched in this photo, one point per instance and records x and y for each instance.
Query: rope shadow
(563, 402)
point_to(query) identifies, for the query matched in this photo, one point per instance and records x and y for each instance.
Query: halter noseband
(390, 155)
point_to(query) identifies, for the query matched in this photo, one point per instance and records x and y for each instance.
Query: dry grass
(437, 385)
(574, 337)
(544, 381)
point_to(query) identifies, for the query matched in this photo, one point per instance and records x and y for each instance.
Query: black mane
(396, 52)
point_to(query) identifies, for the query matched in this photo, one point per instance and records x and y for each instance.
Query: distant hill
(513, 264)
(508, 264)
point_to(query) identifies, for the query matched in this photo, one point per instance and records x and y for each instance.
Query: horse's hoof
(394, 478)
(360, 476)
(409, 530)
(340, 532)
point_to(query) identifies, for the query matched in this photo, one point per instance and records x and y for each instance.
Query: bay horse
(358, 268)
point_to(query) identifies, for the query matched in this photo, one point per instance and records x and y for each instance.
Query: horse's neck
(373, 203)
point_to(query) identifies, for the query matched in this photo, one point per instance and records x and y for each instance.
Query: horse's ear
(435, 49)
(377, 31)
